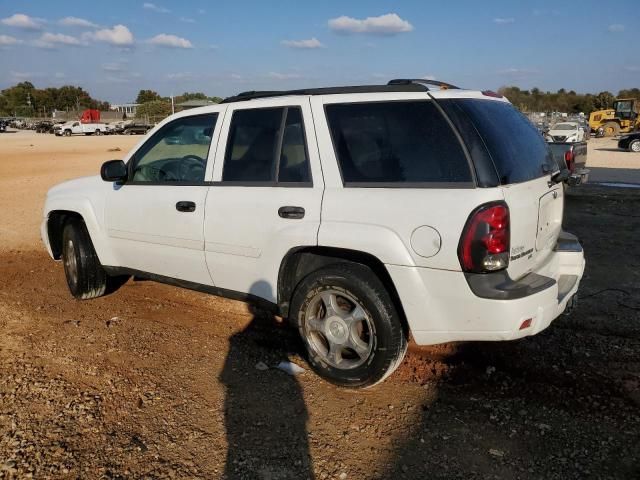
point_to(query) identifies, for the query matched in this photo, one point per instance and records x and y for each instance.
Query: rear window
(518, 151)
(402, 142)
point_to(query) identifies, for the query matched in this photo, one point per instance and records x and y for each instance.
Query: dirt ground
(159, 382)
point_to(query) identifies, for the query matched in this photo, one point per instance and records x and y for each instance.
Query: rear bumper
(441, 306)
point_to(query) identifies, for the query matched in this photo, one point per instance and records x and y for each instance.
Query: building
(127, 108)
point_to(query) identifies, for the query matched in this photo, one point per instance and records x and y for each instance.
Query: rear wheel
(349, 325)
(98, 132)
(611, 129)
(85, 276)
(634, 146)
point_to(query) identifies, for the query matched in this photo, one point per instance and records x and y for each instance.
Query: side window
(396, 142)
(176, 153)
(266, 145)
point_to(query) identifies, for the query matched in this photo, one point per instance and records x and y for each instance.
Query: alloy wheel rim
(70, 262)
(635, 146)
(338, 329)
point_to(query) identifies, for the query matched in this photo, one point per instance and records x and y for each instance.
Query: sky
(114, 48)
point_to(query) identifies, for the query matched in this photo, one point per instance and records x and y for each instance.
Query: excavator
(624, 117)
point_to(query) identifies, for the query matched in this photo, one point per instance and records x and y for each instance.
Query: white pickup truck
(362, 214)
(78, 128)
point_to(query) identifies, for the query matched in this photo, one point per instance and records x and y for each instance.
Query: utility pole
(173, 110)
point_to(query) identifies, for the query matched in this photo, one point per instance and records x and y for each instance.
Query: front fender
(92, 216)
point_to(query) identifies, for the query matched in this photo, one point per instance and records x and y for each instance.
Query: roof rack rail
(396, 87)
(422, 81)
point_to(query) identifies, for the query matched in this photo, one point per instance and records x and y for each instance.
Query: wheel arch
(56, 221)
(301, 261)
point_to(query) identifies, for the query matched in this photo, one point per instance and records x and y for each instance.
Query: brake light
(484, 245)
(568, 158)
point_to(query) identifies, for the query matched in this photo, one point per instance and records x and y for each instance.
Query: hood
(562, 133)
(77, 187)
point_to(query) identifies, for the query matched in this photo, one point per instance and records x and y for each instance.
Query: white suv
(362, 214)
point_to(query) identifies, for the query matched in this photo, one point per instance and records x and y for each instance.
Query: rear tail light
(484, 245)
(568, 158)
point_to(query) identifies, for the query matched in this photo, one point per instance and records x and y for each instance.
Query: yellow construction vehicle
(624, 117)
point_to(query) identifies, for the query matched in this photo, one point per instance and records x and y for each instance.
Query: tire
(98, 132)
(85, 276)
(365, 351)
(634, 146)
(67, 133)
(611, 129)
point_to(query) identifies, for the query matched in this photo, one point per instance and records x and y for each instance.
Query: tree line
(25, 100)
(152, 105)
(535, 100)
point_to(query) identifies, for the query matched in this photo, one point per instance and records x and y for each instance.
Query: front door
(266, 194)
(155, 219)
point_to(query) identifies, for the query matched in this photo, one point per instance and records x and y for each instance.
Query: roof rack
(422, 81)
(405, 86)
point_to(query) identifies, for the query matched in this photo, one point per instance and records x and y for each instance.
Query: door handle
(291, 212)
(186, 206)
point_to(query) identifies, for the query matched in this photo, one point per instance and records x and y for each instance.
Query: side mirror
(113, 171)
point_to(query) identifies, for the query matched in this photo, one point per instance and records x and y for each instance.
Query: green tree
(154, 109)
(145, 96)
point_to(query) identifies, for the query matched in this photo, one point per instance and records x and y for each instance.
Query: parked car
(566, 132)
(45, 126)
(630, 141)
(136, 128)
(572, 156)
(361, 214)
(79, 128)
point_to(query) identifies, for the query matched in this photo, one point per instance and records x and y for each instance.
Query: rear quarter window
(399, 143)
(516, 148)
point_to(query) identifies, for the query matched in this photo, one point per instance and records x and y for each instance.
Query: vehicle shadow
(609, 149)
(264, 411)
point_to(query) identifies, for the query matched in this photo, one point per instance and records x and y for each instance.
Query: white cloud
(307, 44)
(20, 20)
(171, 41)
(155, 8)
(187, 20)
(76, 22)
(616, 28)
(180, 76)
(6, 40)
(52, 40)
(119, 35)
(20, 76)
(428, 77)
(389, 24)
(632, 68)
(236, 76)
(113, 67)
(59, 75)
(503, 20)
(518, 72)
(283, 76)
(201, 11)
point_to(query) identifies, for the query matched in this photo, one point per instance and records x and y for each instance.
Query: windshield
(564, 126)
(623, 106)
(517, 150)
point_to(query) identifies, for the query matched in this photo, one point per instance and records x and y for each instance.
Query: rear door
(523, 167)
(266, 194)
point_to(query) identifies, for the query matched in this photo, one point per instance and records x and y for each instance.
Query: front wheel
(634, 146)
(85, 276)
(98, 132)
(351, 329)
(67, 133)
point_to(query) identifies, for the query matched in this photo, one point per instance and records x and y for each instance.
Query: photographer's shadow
(264, 411)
